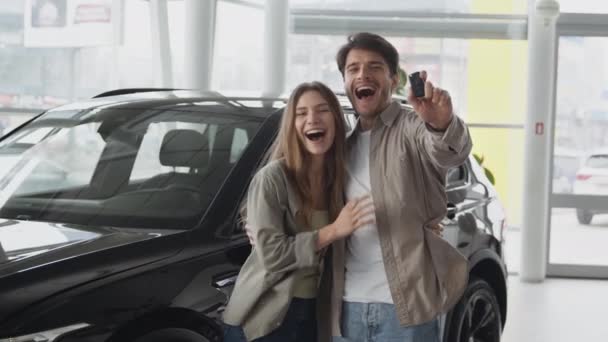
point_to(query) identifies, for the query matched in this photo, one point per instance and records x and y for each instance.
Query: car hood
(27, 244)
(41, 259)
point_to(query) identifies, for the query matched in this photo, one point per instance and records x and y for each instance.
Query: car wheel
(173, 335)
(584, 216)
(476, 317)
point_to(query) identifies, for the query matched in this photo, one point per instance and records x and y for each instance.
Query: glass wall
(39, 74)
(238, 55)
(580, 154)
(43, 76)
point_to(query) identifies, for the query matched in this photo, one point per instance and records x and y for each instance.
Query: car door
(236, 247)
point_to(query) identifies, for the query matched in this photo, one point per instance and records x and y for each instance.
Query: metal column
(161, 44)
(276, 26)
(538, 133)
(199, 37)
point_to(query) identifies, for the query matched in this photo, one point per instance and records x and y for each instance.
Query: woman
(295, 208)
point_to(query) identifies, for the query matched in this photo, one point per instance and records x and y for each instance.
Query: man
(392, 279)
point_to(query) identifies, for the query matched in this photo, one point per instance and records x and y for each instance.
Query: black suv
(119, 220)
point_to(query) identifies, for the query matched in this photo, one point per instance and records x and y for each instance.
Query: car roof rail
(131, 91)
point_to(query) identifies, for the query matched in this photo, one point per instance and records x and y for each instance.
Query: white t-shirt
(365, 277)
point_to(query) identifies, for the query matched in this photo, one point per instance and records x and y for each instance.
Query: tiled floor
(557, 310)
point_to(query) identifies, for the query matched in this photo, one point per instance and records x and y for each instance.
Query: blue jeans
(377, 322)
(299, 325)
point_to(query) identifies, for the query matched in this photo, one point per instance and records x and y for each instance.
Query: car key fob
(417, 84)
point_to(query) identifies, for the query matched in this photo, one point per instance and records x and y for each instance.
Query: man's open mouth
(315, 134)
(364, 92)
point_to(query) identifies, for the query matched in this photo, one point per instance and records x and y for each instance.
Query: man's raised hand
(435, 108)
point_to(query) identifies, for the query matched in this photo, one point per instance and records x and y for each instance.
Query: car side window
(147, 163)
(240, 139)
(457, 176)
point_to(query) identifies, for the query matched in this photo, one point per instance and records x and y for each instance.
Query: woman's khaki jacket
(265, 285)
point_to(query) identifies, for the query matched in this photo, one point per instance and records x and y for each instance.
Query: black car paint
(128, 282)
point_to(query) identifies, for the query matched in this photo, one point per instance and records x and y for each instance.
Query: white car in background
(592, 179)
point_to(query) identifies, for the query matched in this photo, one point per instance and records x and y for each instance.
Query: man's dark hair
(370, 42)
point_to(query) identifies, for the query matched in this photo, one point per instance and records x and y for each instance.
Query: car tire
(476, 317)
(173, 335)
(584, 216)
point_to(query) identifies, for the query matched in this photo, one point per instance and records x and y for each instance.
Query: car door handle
(452, 211)
(223, 280)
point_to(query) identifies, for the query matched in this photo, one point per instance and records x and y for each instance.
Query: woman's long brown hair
(297, 159)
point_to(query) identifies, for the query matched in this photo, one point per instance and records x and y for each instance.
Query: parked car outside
(592, 179)
(566, 163)
(140, 239)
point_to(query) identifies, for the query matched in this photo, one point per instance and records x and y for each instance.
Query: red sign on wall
(539, 128)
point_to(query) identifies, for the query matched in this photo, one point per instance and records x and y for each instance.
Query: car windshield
(599, 161)
(153, 168)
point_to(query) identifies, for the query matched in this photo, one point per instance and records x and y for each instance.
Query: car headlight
(46, 336)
